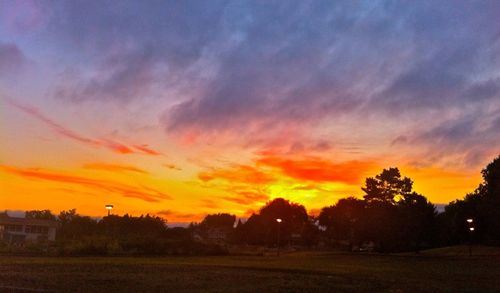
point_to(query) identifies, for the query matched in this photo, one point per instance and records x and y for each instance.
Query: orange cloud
(207, 203)
(114, 168)
(143, 193)
(180, 217)
(114, 146)
(172, 166)
(241, 173)
(146, 150)
(319, 170)
(247, 197)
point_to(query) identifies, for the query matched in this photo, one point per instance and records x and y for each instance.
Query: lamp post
(278, 220)
(109, 207)
(470, 222)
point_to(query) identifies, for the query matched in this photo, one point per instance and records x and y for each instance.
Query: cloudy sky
(183, 108)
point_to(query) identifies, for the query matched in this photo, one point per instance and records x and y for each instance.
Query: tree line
(390, 217)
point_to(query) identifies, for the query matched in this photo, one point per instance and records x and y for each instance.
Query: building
(217, 235)
(21, 230)
(214, 235)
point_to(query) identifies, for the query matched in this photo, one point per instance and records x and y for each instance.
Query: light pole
(109, 207)
(278, 220)
(471, 231)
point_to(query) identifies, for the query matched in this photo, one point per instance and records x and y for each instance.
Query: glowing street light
(278, 220)
(471, 230)
(109, 207)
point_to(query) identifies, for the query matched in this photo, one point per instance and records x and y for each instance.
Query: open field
(296, 272)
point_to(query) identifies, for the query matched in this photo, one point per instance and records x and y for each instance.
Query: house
(217, 235)
(20, 230)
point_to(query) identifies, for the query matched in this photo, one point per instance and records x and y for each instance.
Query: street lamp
(471, 230)
(278, 220)
(109, 207)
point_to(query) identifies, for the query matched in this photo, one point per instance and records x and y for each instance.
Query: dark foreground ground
(300, 272)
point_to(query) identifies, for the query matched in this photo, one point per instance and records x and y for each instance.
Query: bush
(88, 246)
(100, 246)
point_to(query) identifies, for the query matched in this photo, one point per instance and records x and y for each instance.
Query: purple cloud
(12, 59)
(263, 72)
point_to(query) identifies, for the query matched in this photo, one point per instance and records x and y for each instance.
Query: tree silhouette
(74, 226)
(418, 220)
(262, 228)
(391, 215)
(342, 220)
(40, 214)
(482, 205)
(221, 220)
(294, 217)
(491, 177)
(387, 187)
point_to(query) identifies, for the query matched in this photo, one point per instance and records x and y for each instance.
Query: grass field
(297, 272)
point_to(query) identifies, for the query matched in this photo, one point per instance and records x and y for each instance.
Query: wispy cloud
(312, 89)
(114, 168)
(247, 198)
(282, 73)
(208, 203)
(253, 184)
(144, 148)
(454, 142)
(240, 173)
(179, 216)
(317, 169)
(266, 166)
(172, 166)
(126, 190)
(116, 147)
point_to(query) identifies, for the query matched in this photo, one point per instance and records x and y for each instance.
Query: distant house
(20, 230)
(217, 235)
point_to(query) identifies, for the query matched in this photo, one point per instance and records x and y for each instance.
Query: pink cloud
(146, 150)
(114, 168)
(114, 146)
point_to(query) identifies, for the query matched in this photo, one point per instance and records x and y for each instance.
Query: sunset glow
(183, 110)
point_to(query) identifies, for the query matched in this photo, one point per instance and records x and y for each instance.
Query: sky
(185, 108)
